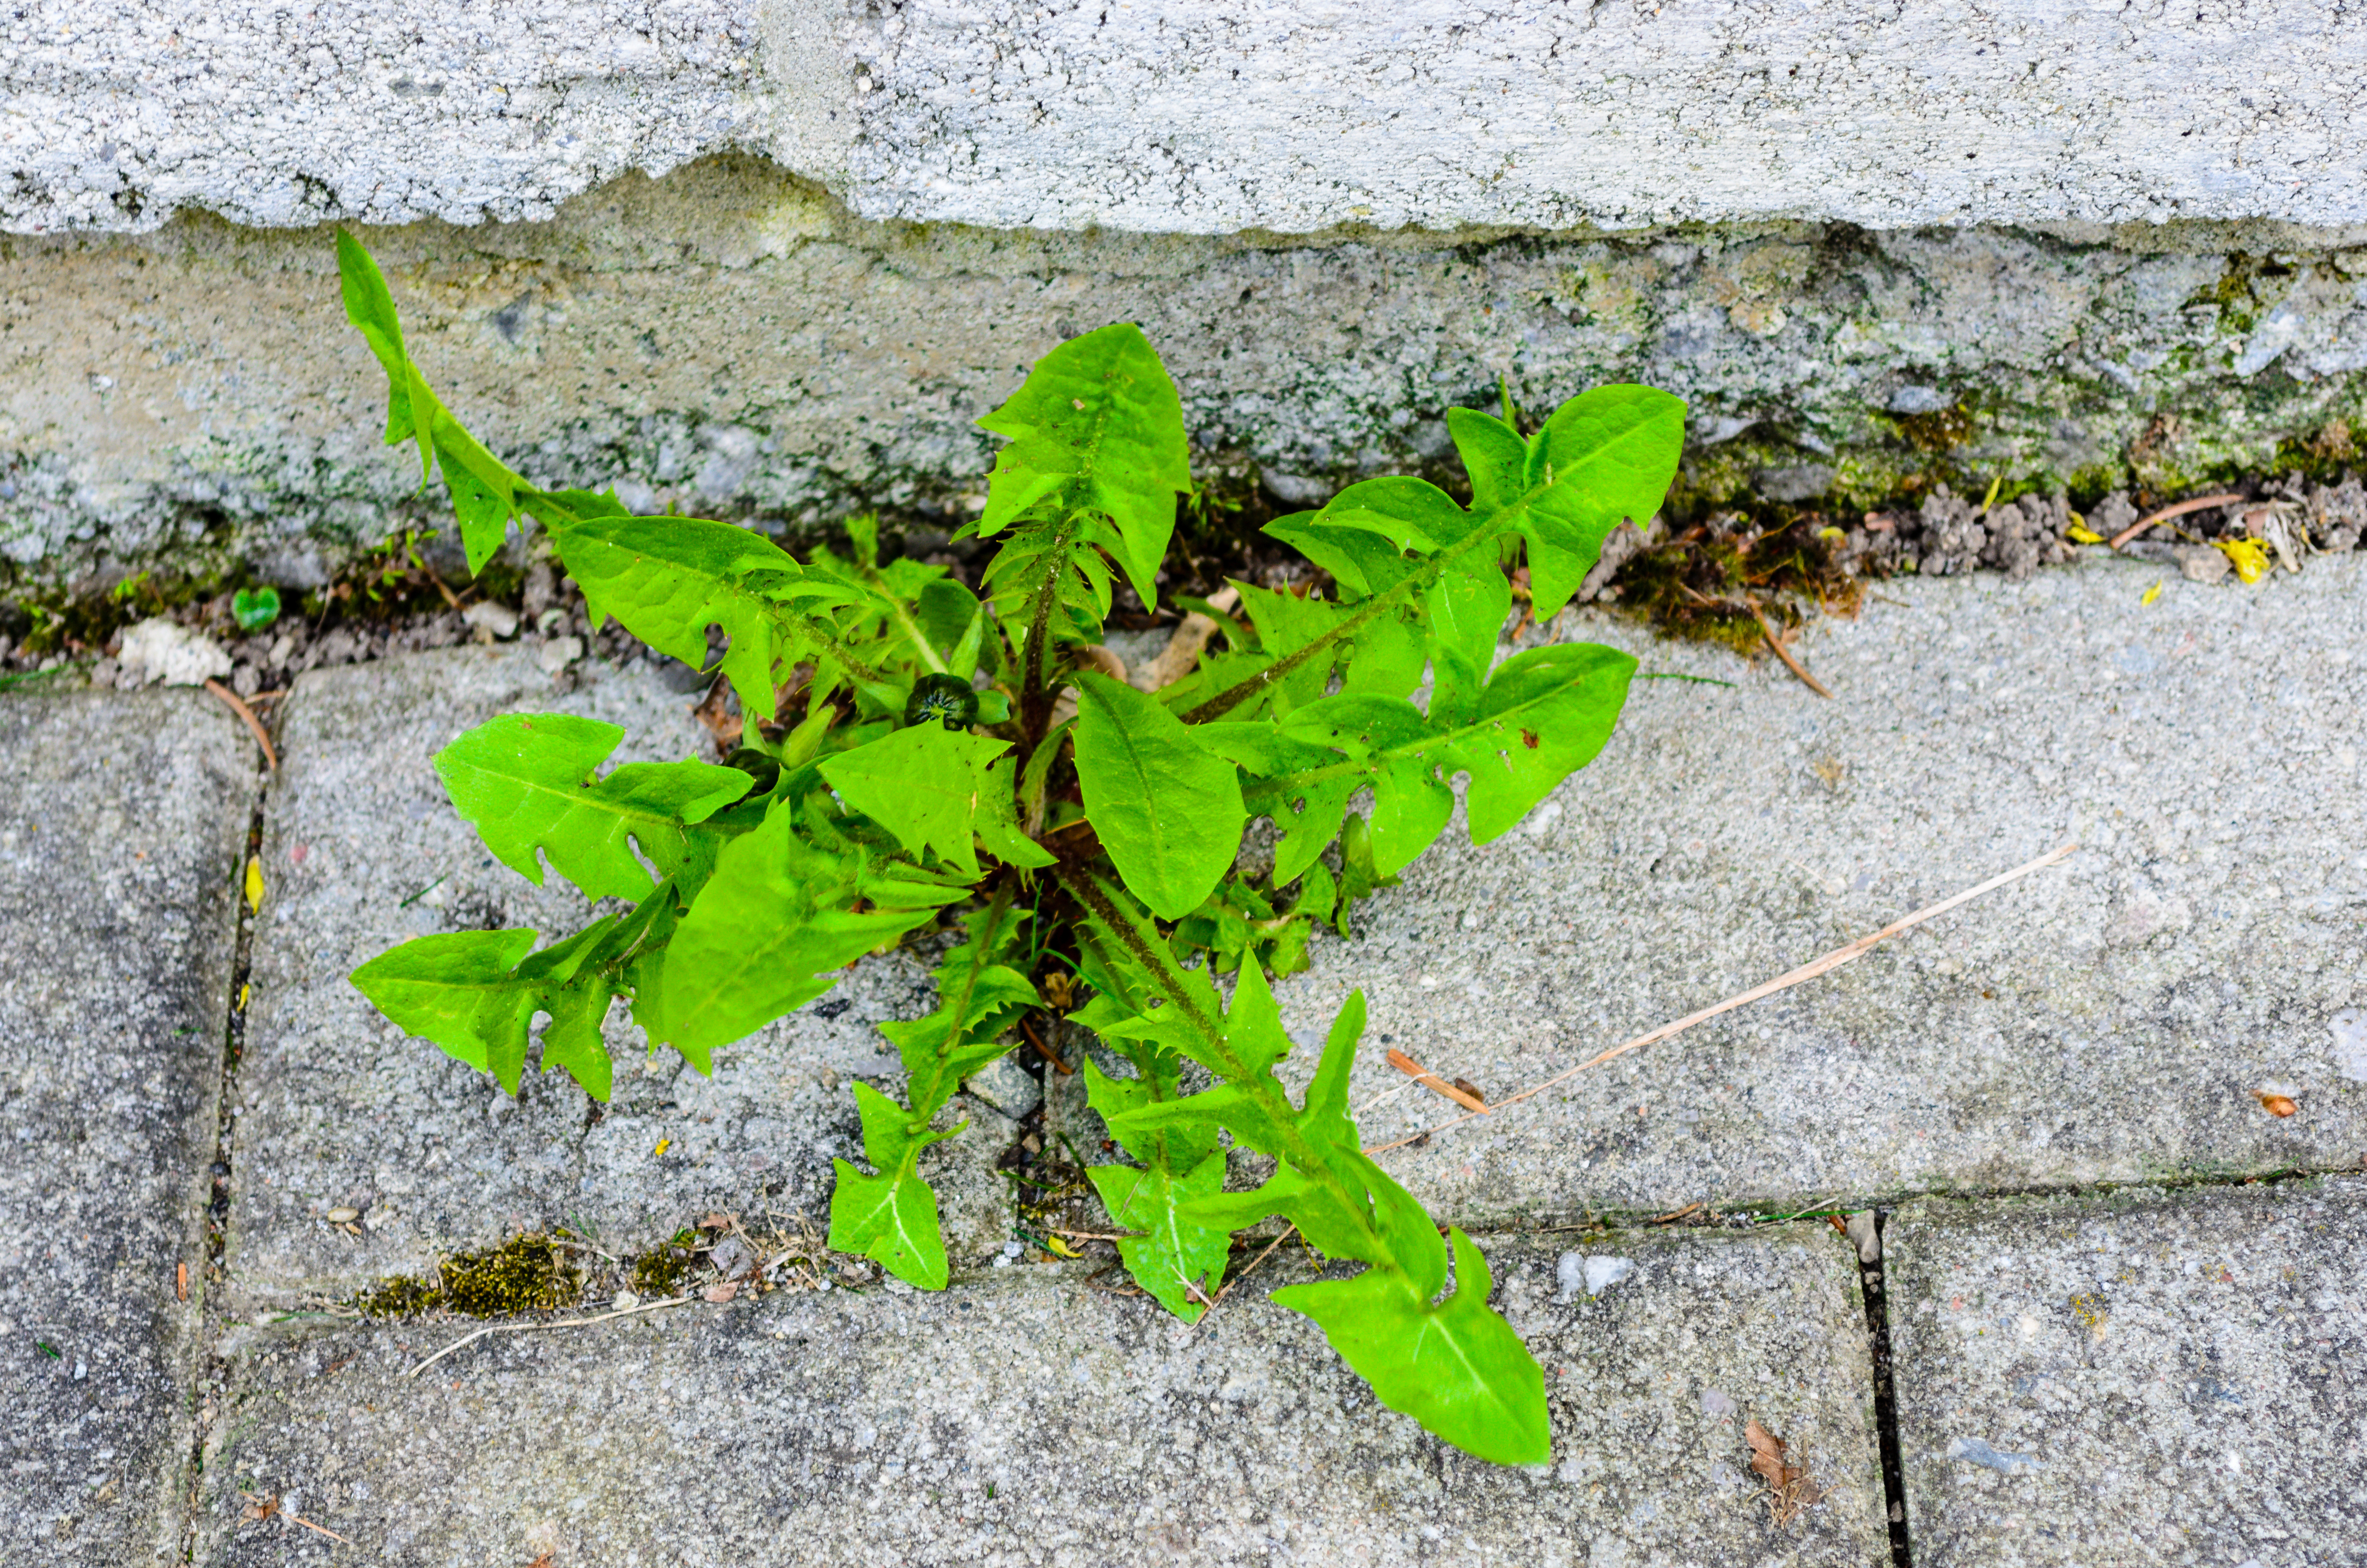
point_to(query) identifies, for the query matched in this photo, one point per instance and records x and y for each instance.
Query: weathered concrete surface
(337, 1109)
(2145, 1378)
(122, 824)
(117, 114)
(1192, 115)
(2109, 1019)
(1031, 1417)
(731, 340)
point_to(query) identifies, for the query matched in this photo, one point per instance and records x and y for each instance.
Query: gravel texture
(2110, 1020)
(337, 1109)
(122, 824)
(1034, 1417)
(2139, 1377)
(732, 340)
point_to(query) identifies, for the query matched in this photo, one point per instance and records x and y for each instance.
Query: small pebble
(2203, 565)
(343, 1216)
(559, 653)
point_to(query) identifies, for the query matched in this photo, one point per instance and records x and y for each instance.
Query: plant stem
(1304, 1157)
(1035, 692)
(1370, 610)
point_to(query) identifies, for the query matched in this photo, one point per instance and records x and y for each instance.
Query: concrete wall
(1873, 245)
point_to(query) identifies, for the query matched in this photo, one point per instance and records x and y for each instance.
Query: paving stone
(1030, 1416)
(123, 821)
(2146, 1376)
(2106, 1020)
(338, 1108)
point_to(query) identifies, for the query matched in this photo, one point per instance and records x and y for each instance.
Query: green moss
(525, 1273)
(1941, 430)
(660, 1270)
(399, 1296)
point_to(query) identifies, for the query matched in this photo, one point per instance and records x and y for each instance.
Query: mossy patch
(526, 1274)
(1713, 581)
(660, 1271)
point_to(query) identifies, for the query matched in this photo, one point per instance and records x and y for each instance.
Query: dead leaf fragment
(723, 1292)
(1789, 1489)
(2275, 1105)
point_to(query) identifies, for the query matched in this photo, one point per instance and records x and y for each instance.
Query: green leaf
(979, 1000)
(667, 580)
(476, 992)
(890, 1218)
(1456, 1367)
(1180, 1264)
(525, 781)
(1168, 811)
(1098, 429)
(770, 931)
(1543, 715)
(455, 988)
(998, 820)
(924, 784)
(255, 608)
(1494, 456)
(1605, 455)
(485, 493)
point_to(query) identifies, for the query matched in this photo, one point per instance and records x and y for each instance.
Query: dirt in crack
(212, 1371)
(1885, 1403)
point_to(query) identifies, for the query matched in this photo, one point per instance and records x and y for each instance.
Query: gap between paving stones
(212, 1375)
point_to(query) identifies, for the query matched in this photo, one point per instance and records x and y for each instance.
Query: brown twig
(268, 1508)
(1045, 1050)
(1790, 661)
(2200, 503)
(1807, 971)
(1435, 1083)
(237, 706)
(449, 601)
(1674, 1214)
(1244, 1274)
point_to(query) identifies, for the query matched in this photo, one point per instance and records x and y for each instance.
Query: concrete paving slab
(123, 822)
(2145, 1378)
(338, 1108)
(1028, 1415)
(2110, 1020)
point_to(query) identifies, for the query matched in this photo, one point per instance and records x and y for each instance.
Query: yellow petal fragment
(2251, 560)
(253, 883)
(2151, 594)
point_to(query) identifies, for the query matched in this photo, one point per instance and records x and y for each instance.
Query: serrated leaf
(1603, 457)
(979, 1000)
(484, 490)
(525, 781)
(667, 580)
(1097, 429)
(1179, 1262)
(769, 932)
(1544, 714)
(475, 994)
(1169, 812)
(455, 988)
(1456, 1367)
(890, 1218)
(923, 783)
(998, 817)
